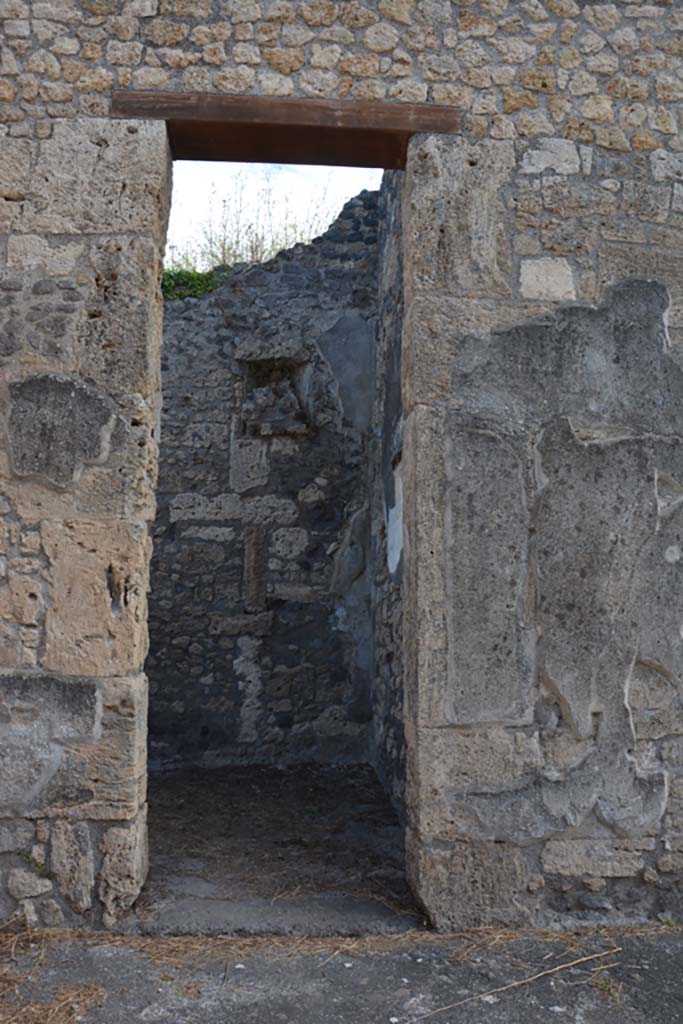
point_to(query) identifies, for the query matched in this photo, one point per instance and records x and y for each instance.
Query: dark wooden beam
(208, 126)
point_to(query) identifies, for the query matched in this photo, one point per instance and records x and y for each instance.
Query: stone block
(16, 835)
(124, 867)
(548, 278)
(97, 585)
(434, 330)
(21, 600)
(449, 765)
(471, 884)
(455, 233)
(265, 510)
(110, 773)
(99, 177)
(558, 155)
(56, 425)
(72, 863)
(71, 747)
(601, 858)
(249, 464)
(118, 343)
(671, 862)
(28, 252)
(425, 609)
(666, 166)
(491, 635)
(24, 884)
(15, 171)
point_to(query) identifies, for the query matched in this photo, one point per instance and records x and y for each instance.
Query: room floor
(304, 850)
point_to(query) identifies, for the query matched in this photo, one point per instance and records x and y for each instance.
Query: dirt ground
(304, 869)
(305, 850)
(481, 977)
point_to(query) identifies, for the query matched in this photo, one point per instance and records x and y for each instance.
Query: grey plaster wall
(260, 625)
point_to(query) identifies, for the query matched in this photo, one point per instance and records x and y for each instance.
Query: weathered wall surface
(607, 72)
(261, 642)
(522, 749)
(80, 334)
(544, 530)
(386, 503)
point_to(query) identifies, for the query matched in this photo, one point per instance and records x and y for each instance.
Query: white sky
(199, 188)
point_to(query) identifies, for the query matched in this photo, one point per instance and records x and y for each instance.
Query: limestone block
(591, 456)
(666, 166)
(119, 488)
(15, 171)
(654, 700)
(449, 763)
(112, 771)
(100, 176)
(56, 425)
(604, 858)
(33, 252)
(265, 510)
(23, 883)
(249, 464)
(288, 542)
(21, 600)
(72, 863)
(124, 866)
(455, 233)
(97, 584)
(425, 609)
(471, 884)
(16, 835)
(433, 332)
(558, 155)
(55, 765)
(491, 634)
(119, 346)
(39, 714)
(549, 278)
(671, 862)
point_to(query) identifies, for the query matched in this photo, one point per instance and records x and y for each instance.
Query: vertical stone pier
(80, 335)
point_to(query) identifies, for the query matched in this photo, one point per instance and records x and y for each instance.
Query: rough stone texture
(97, 580)
(72, 863)
(543, 462)
(80, 334)
(386, 504)
(56, 426)
(72, 747)
(564, 184)
(124, 867)
(585, 72)
(261, 635)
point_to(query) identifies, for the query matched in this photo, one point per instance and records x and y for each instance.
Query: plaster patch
(395, 524)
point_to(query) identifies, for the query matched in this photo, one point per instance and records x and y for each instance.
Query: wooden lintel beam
(270, 110)
(209, 126)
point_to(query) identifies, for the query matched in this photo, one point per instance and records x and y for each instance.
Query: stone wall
(607, 73)
(543, 722)
(543, 510)
(386, 503)
(80, 335)
(260, 626)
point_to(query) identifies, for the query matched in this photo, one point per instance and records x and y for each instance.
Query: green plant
(40, 869)
(187, 282)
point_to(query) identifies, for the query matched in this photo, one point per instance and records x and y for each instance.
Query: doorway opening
(276, 748)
